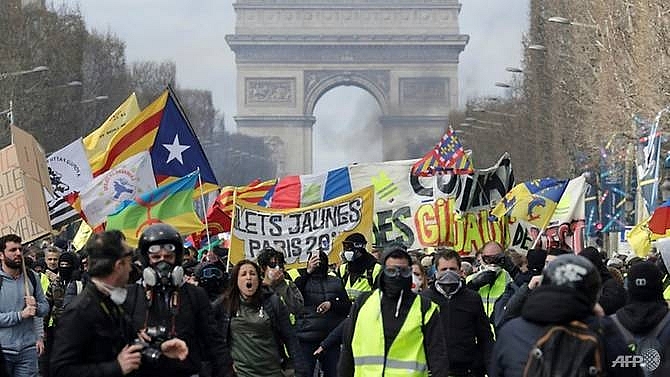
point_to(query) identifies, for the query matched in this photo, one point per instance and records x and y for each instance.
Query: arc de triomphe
(290, 52)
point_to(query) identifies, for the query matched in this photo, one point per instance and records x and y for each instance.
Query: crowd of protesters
(159, 310)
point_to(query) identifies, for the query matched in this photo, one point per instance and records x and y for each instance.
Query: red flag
(219, 213)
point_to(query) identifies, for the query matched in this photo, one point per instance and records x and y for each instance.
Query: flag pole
(232, 227)
(202, 201)
(25, 275)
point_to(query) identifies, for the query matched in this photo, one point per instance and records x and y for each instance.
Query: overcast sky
(191, 33)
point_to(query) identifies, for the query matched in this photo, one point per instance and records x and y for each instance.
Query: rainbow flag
(171, 204)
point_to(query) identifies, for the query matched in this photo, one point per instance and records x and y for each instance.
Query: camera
(151, 351)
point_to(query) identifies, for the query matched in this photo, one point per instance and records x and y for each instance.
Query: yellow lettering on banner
(473, 234)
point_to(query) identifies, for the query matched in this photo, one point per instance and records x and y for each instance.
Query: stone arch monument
(290, 52)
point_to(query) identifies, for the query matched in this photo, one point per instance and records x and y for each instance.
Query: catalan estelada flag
(533, 201)
(164, 131)
(220, 212)
(447, 156)
(171, 204)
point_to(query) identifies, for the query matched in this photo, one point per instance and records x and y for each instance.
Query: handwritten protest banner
(301, 231)
(447, 210)
(23, 209)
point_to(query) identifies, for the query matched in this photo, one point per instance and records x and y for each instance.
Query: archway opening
(347, 129)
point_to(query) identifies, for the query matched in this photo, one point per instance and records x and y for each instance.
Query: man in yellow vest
(491, 279)
(360, 269)
(392, 332)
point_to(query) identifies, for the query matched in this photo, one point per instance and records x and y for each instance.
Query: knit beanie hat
(645, 282)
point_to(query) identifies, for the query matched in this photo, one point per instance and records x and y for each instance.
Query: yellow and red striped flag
(219, 213)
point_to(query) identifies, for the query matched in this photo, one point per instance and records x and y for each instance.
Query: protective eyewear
(212, 273)
(157, 248)
(275, 264)
(348, 245)
(490, 259)
(393, 271)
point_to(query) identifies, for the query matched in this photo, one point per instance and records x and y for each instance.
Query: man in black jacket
(163, 304)
(645, 316)
(568, 292)
(94, 334)
(326, 305)
(406, 338)
(466, 327)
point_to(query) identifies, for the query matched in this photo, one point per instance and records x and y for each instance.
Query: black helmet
(573, 271)
(159, 234)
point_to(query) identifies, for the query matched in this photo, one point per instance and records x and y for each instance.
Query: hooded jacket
(16, 333)
(316, 288)
(393, 317)
(517, 337)
(639, 318)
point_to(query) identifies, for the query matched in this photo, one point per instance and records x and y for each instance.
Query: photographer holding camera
(94, 334)
(166, 308)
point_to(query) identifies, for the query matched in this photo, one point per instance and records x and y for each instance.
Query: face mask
(349, 255)
(164, 274)
(417, 282)
(116, 294)
(393, 286)
(448, 290)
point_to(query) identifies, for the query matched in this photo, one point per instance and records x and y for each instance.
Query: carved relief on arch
(317, 83)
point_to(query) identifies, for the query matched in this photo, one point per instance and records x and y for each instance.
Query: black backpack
(648, 346)
(571, 350)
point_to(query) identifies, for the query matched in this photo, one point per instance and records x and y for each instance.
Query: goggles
(393, 271)
(275, 264)
(212, 273)
(348, 245)
(153, 249)
(491, 259)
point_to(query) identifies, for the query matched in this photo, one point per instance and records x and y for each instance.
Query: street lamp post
(40, 68)
(565, 21)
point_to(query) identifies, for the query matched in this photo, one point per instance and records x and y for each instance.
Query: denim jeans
(22, 364)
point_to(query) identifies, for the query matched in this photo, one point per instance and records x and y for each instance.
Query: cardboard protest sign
(301, 231)
(23, 209)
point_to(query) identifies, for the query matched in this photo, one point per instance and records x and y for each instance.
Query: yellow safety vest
(666, 294)
(491, 293)
(361, 284)
(406, 356)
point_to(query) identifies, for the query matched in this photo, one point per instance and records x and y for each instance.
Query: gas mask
(163, 274)
(448, 283)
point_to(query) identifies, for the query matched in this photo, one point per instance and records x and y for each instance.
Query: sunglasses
(353, 245)
(167, 247)
(393, 271)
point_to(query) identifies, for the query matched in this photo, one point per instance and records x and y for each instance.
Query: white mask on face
(417, 281)
(349, 255)
(118, 295)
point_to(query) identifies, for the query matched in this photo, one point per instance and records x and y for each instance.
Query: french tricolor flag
(296, 191)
